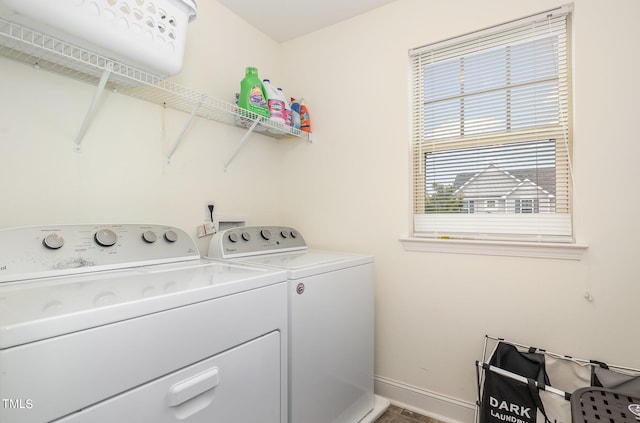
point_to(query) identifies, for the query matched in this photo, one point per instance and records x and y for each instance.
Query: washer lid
(32, 310)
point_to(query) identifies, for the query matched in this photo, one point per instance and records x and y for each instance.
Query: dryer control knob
(266, 234)
(294, 234)
(170, 236)
(246, 236)
(284, 234)
(233, 237)
(149, 236)
(106, 237)
(53, 241)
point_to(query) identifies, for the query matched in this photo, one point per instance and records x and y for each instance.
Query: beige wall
(349, 189)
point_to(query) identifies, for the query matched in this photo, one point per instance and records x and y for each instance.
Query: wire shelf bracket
(185, 127)
(241, 143)
(94, 103)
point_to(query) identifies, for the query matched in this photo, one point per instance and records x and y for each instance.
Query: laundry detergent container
(146, 34)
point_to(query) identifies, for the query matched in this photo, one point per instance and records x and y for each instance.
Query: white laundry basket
(148, 34)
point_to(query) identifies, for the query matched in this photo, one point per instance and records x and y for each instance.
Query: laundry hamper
(524, 384)
(147, 34)
(516, 389)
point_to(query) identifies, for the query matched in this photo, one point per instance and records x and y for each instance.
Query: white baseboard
(432, 404)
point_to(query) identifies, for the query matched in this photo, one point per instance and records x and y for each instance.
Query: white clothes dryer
(331, 321)
(126, 323)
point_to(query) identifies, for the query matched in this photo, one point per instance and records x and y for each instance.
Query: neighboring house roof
(532, 185)
(542, 178)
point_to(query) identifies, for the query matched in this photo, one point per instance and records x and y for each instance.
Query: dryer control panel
(255, 240)
(46, 251)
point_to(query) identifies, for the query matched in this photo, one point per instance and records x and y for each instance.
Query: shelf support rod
(185, 127)
(242, 141)
(96, 98)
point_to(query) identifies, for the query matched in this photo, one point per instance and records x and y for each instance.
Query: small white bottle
(276, 103)
(287, 108)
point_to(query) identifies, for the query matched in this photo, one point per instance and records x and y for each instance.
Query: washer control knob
(53, 241)
(246, 236)
(284, 234)
(266, 234)
(233, 237)
(149, 236)
(170, 236)
(294, 234)
(106, 237)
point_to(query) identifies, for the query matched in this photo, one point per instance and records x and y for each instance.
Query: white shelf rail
(42, 51)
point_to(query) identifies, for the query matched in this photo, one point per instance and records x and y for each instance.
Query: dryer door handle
(190, 388)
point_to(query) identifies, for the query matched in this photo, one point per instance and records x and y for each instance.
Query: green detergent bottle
(253, 96)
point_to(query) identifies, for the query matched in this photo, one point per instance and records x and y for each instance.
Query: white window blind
(491, 142)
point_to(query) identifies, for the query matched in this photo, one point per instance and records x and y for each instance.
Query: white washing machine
(126, 323)
(331, 321)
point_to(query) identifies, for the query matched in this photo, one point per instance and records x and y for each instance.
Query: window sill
(562, 251)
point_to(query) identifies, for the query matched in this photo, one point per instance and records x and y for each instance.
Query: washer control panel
(45, 251)
(246, 241)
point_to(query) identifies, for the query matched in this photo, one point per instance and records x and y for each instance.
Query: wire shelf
(42, 51)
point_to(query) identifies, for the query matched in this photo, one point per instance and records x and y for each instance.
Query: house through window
(528, 205)
(490, 137)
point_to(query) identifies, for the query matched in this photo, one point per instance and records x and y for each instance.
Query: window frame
(435, 131)
(497, 244)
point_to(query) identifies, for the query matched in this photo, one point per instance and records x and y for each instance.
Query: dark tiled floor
(396, 414)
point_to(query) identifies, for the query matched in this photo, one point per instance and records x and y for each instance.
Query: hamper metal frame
(483, 365)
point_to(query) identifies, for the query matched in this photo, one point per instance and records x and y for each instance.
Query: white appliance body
(331, 320)
(130, 325)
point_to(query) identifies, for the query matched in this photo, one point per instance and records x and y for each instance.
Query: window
(527, 205)
(469, 206)
(491, 139)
